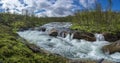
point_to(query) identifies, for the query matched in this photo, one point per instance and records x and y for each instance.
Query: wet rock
(100, 61)
(63, 34)
(83, 61)
(86, 36)
(77, 35)
(33, 48)
(104, 61)
(111, 37)
(23, 29)
(107, 61)
(36, 49)
(43, 29)
(31, 28)
(1, 62)
(112, 48)
(53, 32)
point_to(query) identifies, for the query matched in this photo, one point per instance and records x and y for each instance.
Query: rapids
(68, 47)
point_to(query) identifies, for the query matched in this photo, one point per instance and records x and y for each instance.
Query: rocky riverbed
(58, 38)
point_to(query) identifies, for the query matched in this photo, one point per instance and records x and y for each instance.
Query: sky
(52, 8)
(115, 4)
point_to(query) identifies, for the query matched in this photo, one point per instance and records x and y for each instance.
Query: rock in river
(112, 48)
(111, 37)
(43, 29)
(86, 36)
(53, 32)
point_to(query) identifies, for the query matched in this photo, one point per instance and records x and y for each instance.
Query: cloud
(87, 3)
(59, 8)
(50, 8)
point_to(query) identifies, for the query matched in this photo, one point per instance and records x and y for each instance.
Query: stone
(34, 48)
(23, 29)
(107, 61)
(43, 29)
(82, 61)
(86, 36)
(63, 34)
(53, 32)
(31, 28)
(112, 48)
(110, 37)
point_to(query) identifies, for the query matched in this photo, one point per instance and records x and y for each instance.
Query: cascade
(69, 47)
(99, 37)
(68, 37)
(72, 36)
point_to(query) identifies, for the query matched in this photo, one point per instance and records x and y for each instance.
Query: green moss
(15, 51)
(12, 49)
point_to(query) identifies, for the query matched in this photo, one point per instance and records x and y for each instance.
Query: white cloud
(52, 8)
(60, 8)
(87, 3)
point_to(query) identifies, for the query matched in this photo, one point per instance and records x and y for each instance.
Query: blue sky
(51, 8)
(115, 6)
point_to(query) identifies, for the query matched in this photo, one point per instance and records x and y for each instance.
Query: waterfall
(63, 34)
(69, 37)
(72, 36)
(99, 37)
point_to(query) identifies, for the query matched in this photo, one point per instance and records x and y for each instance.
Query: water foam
(68, 47)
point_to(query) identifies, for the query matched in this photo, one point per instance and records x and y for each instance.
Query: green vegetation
(96, 21)
(12, 50)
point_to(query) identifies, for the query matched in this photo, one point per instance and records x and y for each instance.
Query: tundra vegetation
(12, 50)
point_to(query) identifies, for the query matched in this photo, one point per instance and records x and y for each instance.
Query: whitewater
(67, 46)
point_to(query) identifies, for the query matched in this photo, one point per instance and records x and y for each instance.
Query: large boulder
(53, 32)
(112, 48)
(86, 36)
(111, 37)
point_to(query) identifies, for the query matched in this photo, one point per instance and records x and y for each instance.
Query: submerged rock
(86, 36)
(112, 48)
(43, 29)
(53, 32)
(31, 29)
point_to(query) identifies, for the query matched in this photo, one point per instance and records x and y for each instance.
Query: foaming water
(69, 47)
(99, 37)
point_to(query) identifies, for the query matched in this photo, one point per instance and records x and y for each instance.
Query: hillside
(12, 49)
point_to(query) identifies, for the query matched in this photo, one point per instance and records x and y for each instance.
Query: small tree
(109, 5)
